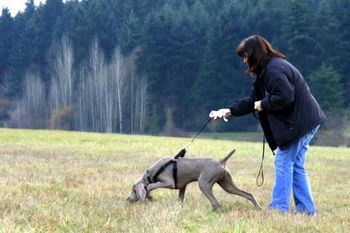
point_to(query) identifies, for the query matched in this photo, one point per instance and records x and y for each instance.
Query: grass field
(56, 181)
(236, 136)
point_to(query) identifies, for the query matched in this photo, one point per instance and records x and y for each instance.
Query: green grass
(56, 181)
(236, 136)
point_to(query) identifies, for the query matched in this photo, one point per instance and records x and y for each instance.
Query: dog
(206, 171)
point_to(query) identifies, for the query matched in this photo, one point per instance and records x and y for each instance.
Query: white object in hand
(222, 113)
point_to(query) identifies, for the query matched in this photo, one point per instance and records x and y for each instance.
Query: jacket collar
(263, 68)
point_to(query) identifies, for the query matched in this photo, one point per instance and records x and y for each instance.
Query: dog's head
(138, 192)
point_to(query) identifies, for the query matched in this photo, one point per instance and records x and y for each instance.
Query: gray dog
(206, 171)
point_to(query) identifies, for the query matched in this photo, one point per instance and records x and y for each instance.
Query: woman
(289, 115)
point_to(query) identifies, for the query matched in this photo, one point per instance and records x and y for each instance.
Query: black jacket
(289, 109)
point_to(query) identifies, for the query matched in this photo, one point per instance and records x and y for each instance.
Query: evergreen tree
(171, 54)
(269, 23)
(80, 32)
(65, 22)
(341, 46)
(186, 48)
(6, 39)
(23, 50)
(155, 58)
(129, 35)
(221, 79)
(298, 32)
(325, 85)
(44, 21)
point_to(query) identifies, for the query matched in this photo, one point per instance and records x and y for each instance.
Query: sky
(16, 5)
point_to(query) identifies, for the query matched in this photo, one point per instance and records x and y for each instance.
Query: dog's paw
(216, 207)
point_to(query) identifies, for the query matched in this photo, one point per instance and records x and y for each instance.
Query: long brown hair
(257, 49)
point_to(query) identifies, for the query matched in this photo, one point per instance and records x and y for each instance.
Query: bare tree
(138, 94)
(100, 100)
(82, 114)
(118, 75)
(103, 98)
(61, 99)
(92, 91)
(141, 104)
(61, 68)
(132, 101)
(30, 111)
(97, 87)
(98, 95)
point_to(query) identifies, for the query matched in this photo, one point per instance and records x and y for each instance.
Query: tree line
(151, 66)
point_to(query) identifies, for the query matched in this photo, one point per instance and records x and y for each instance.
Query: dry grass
(56, 181)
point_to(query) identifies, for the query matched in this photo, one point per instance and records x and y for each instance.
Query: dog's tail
(223, 161)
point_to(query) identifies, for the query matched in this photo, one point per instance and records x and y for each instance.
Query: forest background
(160, 66)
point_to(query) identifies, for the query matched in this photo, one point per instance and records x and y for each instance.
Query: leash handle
(261, 170)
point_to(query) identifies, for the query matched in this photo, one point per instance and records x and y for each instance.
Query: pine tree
(129, 33)
(185, 48)
(6, 39)
(325, 85)
(298, 32)
(23, 50)
(341, 46)
(43, 24)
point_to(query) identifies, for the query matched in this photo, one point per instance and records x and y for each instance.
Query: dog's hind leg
(207, 190)
(228, 185)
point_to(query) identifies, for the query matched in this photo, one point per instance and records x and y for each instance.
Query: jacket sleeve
(280, 93)
(244, 105)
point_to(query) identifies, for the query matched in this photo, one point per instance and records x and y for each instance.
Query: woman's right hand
(223, 113)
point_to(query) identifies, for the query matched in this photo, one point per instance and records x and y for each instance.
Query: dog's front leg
(148, 196)
(160, 184)
(182, 194)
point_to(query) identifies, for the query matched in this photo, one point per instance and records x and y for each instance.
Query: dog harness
(173, 161)
(167, 164)
(161, 169)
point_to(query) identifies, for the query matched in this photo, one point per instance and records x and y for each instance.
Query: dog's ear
(141, 191)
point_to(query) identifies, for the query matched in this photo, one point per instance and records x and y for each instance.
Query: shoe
(314, 214)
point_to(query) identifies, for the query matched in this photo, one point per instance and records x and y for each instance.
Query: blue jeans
(290, 172)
